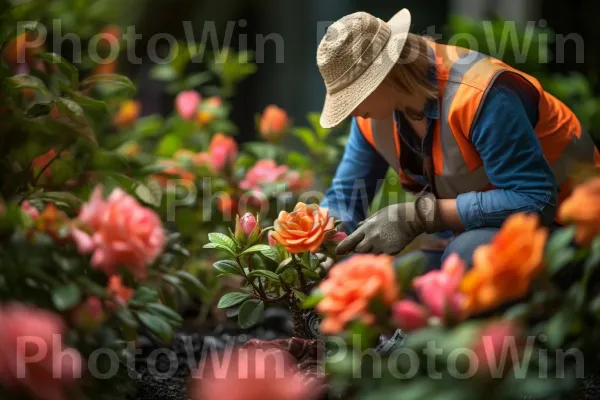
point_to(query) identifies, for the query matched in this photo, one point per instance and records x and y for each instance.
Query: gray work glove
(391, 229)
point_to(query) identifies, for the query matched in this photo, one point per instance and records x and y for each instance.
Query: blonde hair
(410, 74)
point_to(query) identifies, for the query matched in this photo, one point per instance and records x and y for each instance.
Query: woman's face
(379, 105)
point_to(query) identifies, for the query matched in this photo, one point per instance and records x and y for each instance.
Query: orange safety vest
(463, 78)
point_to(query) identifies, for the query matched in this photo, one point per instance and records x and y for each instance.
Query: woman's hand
(393, 228)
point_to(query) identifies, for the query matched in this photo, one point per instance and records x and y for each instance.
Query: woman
(473, 138)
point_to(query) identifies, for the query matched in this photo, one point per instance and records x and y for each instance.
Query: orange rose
(117, 292)
(303, 229)
(273, 122)
(128, 113)
(504, 269)
(173, 172)
(582, 208)
(351, 285)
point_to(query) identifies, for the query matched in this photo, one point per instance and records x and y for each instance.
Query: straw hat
(354, 57)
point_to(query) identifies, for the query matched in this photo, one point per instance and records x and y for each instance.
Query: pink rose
(119, 231)
(409, 315)
(299, 182)
(264, 171)
(187, 103)
(32, 356)
(223, 151)
(272, 241)
(252, 374)
(493, 343)
(248, 222)
(30, 210)
(90, 315)
(439, 290)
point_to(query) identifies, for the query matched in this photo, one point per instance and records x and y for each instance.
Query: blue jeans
(463, 244)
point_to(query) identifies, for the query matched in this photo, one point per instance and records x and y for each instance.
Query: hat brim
(338, 106)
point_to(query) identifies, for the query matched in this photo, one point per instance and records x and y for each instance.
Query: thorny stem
(301, 276)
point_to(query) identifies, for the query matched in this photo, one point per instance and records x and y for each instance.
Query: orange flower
(273, 122)
(174, 172)
(504, 269)
(121, 294)
(303, 229)
(582, 208)
(128, 113)
(22, 49)
(351, 285)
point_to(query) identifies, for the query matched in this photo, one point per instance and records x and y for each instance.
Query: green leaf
(39, 109)
(66, 198)
(156, 325)
(14, 84)
(409, 267)
(145, 295)
(287, 263)
(66, 297)
(593, 260)
(164, 311)
(223, 240)
(307, 136)
(233, 311)
(192, 284)
(558, 327)
(231, 299)
(72, 117)
(313, 299)
(311, 274)
(557, 249)
(87, 103)
(251, 313)
(148, 196)
(228, 267)
(125, 315)
(164, 73)
(194, 80)
(65, 67)
(300, 295)
(561, 259)
(259, 248)
(219, 247)
(264, 273)
(120, 82)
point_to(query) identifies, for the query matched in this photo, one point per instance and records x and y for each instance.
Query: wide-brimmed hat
(356, 54)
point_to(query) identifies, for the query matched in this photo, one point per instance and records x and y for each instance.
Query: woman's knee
(465, 243)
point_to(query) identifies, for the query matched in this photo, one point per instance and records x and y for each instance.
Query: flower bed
(137, 252)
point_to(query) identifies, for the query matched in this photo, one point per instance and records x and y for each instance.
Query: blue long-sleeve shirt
(505, 138)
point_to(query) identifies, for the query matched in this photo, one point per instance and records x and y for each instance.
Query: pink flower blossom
(119, 231)
(248, 222)
(439, 290)
(187, 103)
(223, 151)
(409, 315)
(493, 343)
(90, 315)
(32, 356)
(299, 182)
(272, 241)
(263, 172)
(252, 374)
(335, 237)
(30, 210)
